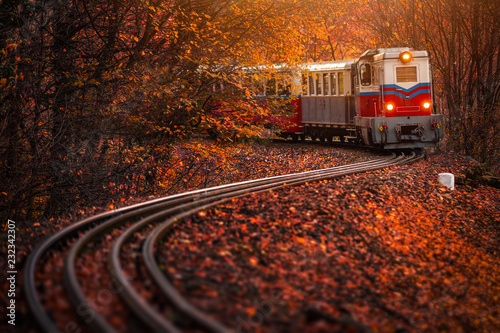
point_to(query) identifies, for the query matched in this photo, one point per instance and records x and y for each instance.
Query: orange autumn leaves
(388, 250)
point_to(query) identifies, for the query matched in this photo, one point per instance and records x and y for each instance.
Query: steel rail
(131, 297)
(97, 321)
(151, 212)
(179, 302)
(43, 319)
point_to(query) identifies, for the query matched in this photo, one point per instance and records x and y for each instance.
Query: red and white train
(383, 98)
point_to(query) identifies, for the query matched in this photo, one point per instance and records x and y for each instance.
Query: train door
(368, 92)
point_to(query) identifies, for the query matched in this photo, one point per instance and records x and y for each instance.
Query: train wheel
(295, 137)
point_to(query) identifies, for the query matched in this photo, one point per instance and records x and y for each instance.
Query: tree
(90, 90)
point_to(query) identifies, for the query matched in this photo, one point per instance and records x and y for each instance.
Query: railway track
(132, 283)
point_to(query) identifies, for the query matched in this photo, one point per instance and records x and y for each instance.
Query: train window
(284, 80)
(284, 89)
(376, 75)
(406, 74)
(304, 85)
(261, 89)
(341, 83)
(311, 85)
(333, 80)
(319, 86)
(247, 84)
(326, 83)
(366, 74)
(271, 87)
(256, 85)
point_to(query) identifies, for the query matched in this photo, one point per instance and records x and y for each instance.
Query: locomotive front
(394, 106)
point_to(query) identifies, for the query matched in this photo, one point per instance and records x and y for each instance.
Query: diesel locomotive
(383, 98)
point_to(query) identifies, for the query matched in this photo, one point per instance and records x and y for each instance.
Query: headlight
(405, 57)
(427, 105)
(389, 106)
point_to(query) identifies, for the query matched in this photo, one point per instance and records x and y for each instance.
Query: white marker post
(447, 179)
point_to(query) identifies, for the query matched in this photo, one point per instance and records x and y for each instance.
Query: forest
(96, 95)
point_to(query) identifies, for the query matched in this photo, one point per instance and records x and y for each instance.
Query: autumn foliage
(387, 251)
(108, 103)
(93, 92)
(98, 93)
(390, 250)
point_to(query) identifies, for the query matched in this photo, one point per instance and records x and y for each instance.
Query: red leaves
(300, 240)
(253, 260)
(391, 249)
(382, 248)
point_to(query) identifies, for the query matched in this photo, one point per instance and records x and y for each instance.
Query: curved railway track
(152, 219)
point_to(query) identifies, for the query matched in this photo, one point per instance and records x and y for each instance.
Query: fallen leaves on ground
(387, 251)
(201, 164)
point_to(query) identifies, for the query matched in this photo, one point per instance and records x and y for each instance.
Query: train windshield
(366, 74)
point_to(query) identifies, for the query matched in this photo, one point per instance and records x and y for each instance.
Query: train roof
(395, 55)
(392, 53)
(329, 65)
(311, 66)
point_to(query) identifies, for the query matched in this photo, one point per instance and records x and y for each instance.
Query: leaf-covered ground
(383, 251)
(194, 164)
(386, 251)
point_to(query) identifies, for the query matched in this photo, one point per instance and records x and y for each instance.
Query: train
(384, 98)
